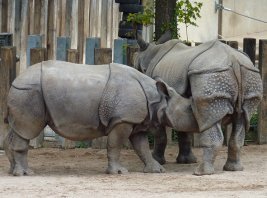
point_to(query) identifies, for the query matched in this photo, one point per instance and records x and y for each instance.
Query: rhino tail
(6, 117)
(237, 72)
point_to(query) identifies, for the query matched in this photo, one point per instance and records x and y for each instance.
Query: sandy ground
(80, 173)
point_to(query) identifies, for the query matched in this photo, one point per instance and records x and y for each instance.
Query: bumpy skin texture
(83, 102)
(223, 84)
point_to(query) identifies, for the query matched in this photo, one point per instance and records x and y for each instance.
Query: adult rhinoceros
(88, 101)
(223, 83)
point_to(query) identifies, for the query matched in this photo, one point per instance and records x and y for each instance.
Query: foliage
(146, 18)
(187, 13)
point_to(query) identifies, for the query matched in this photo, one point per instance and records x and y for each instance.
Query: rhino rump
(26, 108)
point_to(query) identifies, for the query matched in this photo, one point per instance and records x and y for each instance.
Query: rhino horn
(165, 37)
(142, 44)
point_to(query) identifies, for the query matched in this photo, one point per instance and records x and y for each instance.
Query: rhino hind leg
(185, 155)
(16, 149)
(160, 142)
(236, 141)
(140, 144)
(211, 140)
(116, 138)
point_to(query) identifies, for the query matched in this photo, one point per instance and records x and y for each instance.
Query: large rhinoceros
(82, 102)
(223, 83)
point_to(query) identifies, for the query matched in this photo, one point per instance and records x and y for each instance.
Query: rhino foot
(186, 159)
(159, 159)
(116, 169)
(204, 169)
(154, 167)
(19, 171)
(233, 166)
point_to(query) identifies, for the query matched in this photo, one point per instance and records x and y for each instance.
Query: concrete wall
(207, 25)
(234, 25)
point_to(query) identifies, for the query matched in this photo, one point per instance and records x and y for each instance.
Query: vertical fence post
(130, 54)
(262, 125)
(119, 55)
(37, 55)
(103, 56)
(72, 56)
(91, 44)
(249, 47)
(34, 41)
(7, 75)
(63, 44)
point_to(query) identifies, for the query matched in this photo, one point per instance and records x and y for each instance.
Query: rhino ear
(162, 87)
(165, 37)
(140, 41)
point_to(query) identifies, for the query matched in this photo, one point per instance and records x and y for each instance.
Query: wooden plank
(116, 18)
(72, 55)
(91, 44)
(31, 18)
(103, 23)
(86, 25)
(93, 18)
(24, 35)
(4, 15)
(119, 54)
(43, 22)
(74, 25)
(1, 15)
(249, 47)
(109, 24)
(52, 26)
(11, 17)
(37, 16)
(37, 55)
(81, 30)
(62, 24)
(33, 41)
(63, 43)
(68, 18)
(7, 75)
(131, 50)
(262, 120)
(103, 56)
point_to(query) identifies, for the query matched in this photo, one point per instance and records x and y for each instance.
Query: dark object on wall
(6, 39)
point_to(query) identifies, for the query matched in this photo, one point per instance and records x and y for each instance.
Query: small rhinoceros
(82, 102)
(223, 84)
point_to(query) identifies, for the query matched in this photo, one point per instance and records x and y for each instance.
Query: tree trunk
(165, 14)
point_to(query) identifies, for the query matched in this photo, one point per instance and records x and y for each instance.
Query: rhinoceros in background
(82, 102)
(223, 84)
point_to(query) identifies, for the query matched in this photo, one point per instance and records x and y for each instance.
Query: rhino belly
(72, 94)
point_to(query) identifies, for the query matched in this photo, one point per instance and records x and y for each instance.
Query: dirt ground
(81, 173)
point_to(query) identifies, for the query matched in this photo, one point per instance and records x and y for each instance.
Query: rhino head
(148, 51)
(177, 113)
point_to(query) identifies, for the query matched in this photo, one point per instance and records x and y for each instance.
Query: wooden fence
(52, 19)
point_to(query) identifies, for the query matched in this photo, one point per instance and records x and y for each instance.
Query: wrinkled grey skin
(224, 87)
(82, 102)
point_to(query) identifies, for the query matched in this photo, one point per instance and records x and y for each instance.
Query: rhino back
(72, 94)
(173, 67)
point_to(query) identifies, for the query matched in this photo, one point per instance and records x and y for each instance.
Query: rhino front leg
(236, 141)
(140, 144)
(16, 149)
(211, 140)
(185, 156)
(119, 134)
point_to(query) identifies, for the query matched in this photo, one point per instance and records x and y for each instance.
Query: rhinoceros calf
(82, 102)
(223, 84)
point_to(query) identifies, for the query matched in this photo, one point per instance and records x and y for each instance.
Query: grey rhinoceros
(224, 87)
(82, 102)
